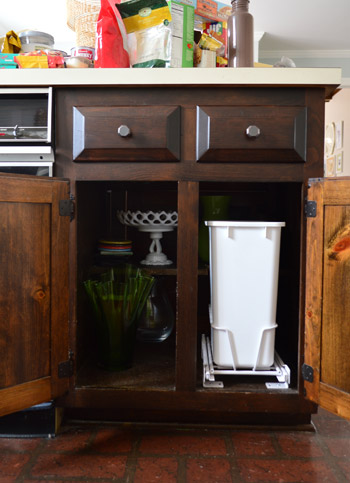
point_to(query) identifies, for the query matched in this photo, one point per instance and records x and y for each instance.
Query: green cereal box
(182, 32)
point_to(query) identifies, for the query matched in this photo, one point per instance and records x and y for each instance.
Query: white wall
(338, 109)
(49, 16)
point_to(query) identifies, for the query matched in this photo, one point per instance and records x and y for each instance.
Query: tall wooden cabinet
(163, 147)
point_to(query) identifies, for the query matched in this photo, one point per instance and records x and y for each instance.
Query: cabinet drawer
(126, 133)
(251, 134)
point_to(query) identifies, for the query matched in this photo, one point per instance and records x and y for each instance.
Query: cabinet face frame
(326, 367)
(43, 289)
(187, 172)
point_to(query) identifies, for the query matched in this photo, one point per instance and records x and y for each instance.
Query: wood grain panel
(187, 286)
(33, 290)
(154, 133)
(335, 401)
(20, 397)
(25, 296)
(222, 137)
(327, 322)
(313, 291)
(335, 370)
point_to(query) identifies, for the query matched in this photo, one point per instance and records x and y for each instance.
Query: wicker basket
(76, 8)
(85, 29)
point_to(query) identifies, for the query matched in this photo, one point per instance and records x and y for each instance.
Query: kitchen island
(188, 137)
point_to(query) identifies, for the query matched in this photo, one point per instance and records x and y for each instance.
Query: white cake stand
(154, 223)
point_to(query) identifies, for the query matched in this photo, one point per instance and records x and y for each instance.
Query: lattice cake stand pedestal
(154, 223)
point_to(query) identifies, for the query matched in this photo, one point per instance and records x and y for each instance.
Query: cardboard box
(7, 61)
(182, 33)
(218, 30)
(209, 9)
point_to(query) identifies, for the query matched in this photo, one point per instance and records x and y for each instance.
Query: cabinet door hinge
(307, 372)
(66, 368)
(66, 207)
(310, 209)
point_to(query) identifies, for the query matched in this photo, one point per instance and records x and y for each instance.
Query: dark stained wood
(187, 284)
(34, 298)
(189, 174)
(222, 135)
(152, 133)
(173, 391)
(205, 406)
(327, 302)
(314, 100)
(25, 296)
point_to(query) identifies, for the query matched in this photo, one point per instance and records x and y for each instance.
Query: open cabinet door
(327, 316)
(33, 290)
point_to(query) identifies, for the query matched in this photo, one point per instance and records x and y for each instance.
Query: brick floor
(131, 453)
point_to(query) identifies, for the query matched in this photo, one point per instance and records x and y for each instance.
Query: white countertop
(189, 76)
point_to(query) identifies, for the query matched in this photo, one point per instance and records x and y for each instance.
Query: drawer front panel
(141, 133)
(251, 134)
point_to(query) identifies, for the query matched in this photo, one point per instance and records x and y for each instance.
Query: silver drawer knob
(124, 131)
(253, 131)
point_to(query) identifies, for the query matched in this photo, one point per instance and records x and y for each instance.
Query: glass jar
(240, 27)
(157, 318)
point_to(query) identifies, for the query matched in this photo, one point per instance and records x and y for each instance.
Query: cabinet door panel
(33, 290)
(327, 317)
(25, 254)
(251, 134)
(126, 133)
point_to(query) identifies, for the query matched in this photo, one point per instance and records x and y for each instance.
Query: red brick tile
(299, 444)
(72, 440)
(213, 470)
(183, 444)
(54, 480)
(253, 443)
(162, 470)
(12, 464)
(18, 444)
(290, 470)
(345, 467)
(112, 441)
(339, 447)
(84, 465)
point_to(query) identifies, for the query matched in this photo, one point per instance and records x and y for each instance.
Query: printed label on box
(182, 33)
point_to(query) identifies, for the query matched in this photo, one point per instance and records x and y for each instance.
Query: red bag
(111, 38)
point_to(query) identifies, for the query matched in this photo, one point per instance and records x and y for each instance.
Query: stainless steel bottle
(240, 28)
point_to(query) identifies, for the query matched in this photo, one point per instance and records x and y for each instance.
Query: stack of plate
(114, 248)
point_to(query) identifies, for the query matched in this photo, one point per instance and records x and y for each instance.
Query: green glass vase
(117, 300)
(214, 208)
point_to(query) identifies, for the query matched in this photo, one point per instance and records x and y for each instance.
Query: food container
(32, 40)
(87, 52)
(78, 62)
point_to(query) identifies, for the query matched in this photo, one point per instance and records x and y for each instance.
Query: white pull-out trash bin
(244, 264)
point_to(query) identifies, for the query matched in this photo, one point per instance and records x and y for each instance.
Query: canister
(32, 40)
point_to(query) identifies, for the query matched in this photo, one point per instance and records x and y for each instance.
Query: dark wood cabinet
(192, 141)
(142, 133)
(34, 291)
(251, 134)
(327, 308)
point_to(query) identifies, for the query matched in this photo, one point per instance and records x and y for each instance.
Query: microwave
(26, 131)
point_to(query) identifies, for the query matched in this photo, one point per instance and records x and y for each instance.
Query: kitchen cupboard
(163, 147)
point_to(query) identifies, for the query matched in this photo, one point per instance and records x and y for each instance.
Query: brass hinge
(307, 372)
(310, 209)
(66, 207)
(66, 368)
